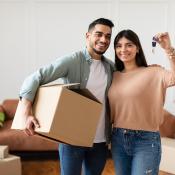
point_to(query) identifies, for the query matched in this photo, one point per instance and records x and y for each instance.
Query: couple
(132, 98)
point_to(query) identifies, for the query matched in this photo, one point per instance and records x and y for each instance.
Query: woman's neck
(130, 67)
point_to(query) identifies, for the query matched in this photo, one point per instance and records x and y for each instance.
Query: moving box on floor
(167, 163)
(64, 115)
(9, 164)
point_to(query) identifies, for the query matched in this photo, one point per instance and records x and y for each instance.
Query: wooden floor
(51, 167)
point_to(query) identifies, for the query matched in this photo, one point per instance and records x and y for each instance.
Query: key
(153, 44)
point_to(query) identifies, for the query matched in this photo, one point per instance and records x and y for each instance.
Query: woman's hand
(164, 40)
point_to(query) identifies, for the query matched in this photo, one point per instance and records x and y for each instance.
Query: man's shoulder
(110, 62)
(71, 56)
(77, 54)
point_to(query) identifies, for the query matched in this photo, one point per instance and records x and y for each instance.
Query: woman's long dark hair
(132, 36)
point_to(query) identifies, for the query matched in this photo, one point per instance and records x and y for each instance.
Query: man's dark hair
(102, 21)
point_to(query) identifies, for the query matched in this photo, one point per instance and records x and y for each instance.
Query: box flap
(45, 104)
(86, 93)
(58, 84)
(19, 121)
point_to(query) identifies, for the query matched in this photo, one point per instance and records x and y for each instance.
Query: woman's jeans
(73, 158)
(136, 152)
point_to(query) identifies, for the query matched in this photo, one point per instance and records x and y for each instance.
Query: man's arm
(31, 122)
(57, 69)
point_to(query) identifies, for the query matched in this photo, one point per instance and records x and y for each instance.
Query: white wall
(35, 32)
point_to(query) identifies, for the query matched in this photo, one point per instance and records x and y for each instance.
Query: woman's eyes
(128, 45)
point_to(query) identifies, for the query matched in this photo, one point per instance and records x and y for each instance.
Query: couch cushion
(10, 106)
(19, 141)
(167, 129)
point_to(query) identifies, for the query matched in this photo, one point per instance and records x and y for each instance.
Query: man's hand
(31, 124)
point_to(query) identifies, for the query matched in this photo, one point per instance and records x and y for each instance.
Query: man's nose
(103, 38)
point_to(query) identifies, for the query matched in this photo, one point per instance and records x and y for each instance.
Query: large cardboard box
(11, 165)
(168, 153)
(64, 114)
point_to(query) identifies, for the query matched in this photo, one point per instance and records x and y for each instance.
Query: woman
(136, 100)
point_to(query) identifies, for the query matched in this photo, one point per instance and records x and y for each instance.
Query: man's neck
(94, 55)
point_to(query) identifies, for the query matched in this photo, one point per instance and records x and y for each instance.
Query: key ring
(153, 44)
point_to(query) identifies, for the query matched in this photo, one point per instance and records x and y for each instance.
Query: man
(93, 71)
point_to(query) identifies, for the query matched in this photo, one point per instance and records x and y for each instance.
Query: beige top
(137, 97)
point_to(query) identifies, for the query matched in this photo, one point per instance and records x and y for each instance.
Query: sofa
(18, 141)
(21, 143)
(167, 129)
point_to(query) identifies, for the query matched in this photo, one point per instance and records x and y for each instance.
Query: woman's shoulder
(135, 71)
(155, 67)
(152, 69)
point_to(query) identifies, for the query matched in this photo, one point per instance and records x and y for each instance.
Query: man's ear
(87, 35)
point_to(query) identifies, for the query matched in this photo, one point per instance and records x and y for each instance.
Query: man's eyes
(101, 34)
(108, 37)
(98, 34)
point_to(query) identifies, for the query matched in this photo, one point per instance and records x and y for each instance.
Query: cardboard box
(168, 154)
(3, 151)
(64, 115)
(10, 165)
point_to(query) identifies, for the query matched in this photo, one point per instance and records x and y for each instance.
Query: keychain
(153, 44)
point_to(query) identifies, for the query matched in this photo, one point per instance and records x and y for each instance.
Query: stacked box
(168, 153)
(9, 164)
(3, 151)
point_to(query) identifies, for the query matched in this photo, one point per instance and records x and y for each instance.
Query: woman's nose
(123, 48)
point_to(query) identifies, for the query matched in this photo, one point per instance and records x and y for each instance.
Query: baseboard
(41, 155)
(37, 155)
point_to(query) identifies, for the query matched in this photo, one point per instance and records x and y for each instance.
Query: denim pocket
(149, 136)
(150, 139)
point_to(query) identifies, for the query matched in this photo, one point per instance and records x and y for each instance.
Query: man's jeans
(136, 152)
(73, 157)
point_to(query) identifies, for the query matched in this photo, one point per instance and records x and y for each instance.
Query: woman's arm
(164, 41)
(171, 55)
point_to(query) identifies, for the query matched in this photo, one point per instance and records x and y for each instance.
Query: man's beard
(99, 52)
